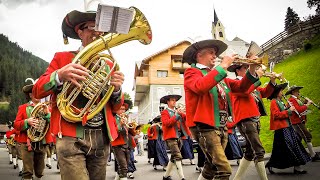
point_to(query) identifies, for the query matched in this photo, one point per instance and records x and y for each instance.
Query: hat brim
(277, 89)
(164, 99)
(73, 19)
(292, 88)
(189, 55)
(27, 88)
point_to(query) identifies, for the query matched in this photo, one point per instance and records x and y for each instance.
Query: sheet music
(113, 19)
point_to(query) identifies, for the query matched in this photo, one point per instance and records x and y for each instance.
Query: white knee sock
(20, 164)
(14, 160)
(10, 157)
(244, 164)
(179, 169)
(201, 177)
(49, 161)
(169, 169)
(261, 170)
(310, 148)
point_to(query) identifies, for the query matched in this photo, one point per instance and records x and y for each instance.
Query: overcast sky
(36, 24)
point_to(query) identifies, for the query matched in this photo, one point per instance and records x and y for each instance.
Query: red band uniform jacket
(300, 107)
(171, 124)
(46, 85)
(279, 117)
(201, 105)
(245, 104)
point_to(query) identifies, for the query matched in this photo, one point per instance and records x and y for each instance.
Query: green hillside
(302, 69)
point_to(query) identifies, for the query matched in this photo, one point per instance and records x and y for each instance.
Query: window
(162, 73)
(220, 34)
(161, 92)
(176, 90)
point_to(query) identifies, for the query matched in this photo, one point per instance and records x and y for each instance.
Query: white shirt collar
(239, 77)
(201, 66)
(294, 96)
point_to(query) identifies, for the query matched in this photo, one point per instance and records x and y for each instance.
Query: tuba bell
(11, 141)
(39, 113)
(80, 104)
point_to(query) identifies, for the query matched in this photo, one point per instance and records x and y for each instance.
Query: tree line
(16, 65)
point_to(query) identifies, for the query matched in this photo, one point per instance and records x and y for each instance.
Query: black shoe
(10, 162)
(164, 169)
(167, 178)
(299, 172)
(58, 166)
(15, 166)
(270, 170)
(155, 168)
(183, 179)
(315, 157)
(135, 161)
(49, 166)
(149, 161)
(20, 173)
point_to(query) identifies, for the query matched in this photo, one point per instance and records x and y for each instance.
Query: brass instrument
(314, 104)
(272, 74)
(296, 111)
(264, 60)
(11, 141)
(99, 76)
(180, 107)
(39, 112)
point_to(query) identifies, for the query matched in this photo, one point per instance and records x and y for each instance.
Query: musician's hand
(73, 73)
(292, 108)
(259, 71)
(32, 122)
(227, 61)
(117, 79)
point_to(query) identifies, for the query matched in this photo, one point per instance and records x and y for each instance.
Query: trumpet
(314, 104)
(264, 60)
(274, 75)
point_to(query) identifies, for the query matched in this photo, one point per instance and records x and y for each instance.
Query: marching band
(215, 108)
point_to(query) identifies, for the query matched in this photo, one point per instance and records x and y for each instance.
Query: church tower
(217, 29)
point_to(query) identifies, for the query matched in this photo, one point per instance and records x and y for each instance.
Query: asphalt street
(145, 171)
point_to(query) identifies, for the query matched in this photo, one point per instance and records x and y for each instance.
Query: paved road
(145, 171)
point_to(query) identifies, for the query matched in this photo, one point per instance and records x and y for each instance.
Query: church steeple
(217, 28)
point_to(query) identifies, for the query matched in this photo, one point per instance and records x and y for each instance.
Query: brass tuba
(38, 133)
(97, 83)
(11, 141)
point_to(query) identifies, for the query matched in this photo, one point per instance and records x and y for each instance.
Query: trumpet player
(82, 148)
(208, 105)
(248, 107)
(123, 144)
(172, 133)
(33, 153)
(299, 120)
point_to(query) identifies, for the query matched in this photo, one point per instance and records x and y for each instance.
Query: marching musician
(82, 148)
(299, 120)
(172, 133)
(11, 144)
(120, 145)
(33, 153)
(208, 104)
(287, 149)
(159, 148)
(247, 108)
(151, 141)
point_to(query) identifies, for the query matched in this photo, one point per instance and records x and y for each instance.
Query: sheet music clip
(113, 19)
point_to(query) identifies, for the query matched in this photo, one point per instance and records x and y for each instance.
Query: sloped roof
(215, 18)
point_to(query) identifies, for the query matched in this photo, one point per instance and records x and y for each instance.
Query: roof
(215, 19)
(3, 128)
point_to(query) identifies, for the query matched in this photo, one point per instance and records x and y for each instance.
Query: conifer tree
(292, 18)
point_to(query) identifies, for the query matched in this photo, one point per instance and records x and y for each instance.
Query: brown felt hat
(164, 99)
(73, 20)
(292, 88)
(189, 55)
(277, 89)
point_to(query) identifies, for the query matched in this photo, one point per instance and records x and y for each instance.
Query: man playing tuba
(82, 148)
(33, 153)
